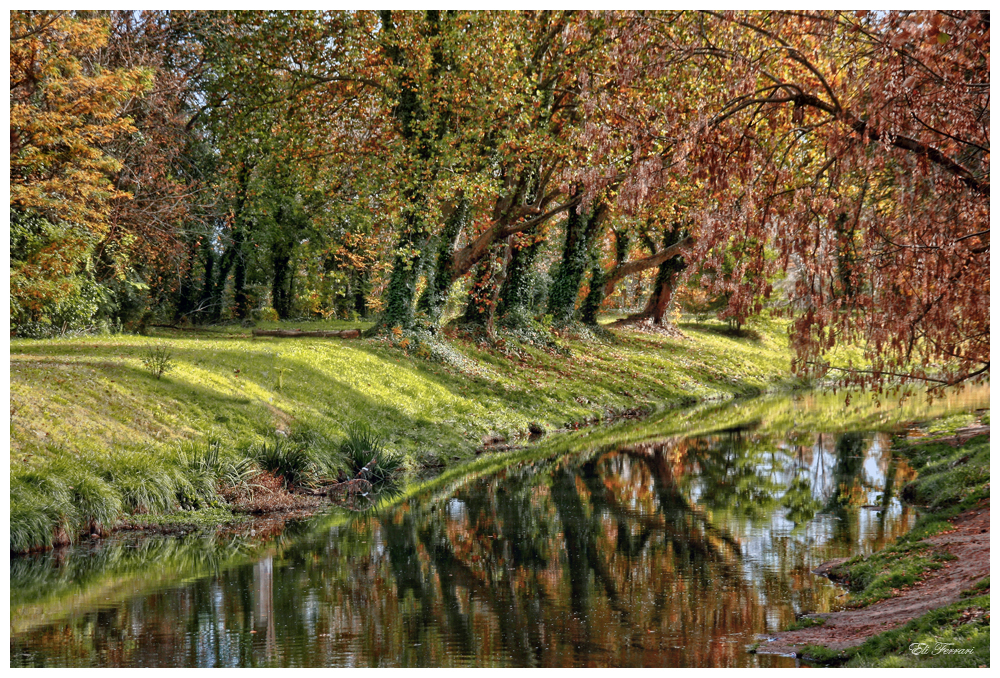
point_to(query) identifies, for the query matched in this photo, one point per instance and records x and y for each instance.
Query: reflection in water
(668, 553)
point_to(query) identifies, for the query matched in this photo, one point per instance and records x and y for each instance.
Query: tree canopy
(518, 169)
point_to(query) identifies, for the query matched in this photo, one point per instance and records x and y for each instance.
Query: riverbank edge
(953, 486)
(89, 506)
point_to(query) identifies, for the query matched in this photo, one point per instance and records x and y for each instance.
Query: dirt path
(969, 542)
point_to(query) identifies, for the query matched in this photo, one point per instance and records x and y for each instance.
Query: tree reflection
(669, 553)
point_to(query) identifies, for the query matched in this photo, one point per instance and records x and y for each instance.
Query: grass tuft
(362, 446)
(286, 460)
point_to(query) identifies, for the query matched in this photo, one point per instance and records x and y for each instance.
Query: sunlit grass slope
(94, 434)
(94, 393)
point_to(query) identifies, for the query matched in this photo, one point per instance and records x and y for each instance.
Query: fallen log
(341, 334)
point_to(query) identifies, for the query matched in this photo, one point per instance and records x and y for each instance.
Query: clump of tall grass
(363, 448)
(210, 470)
(149, 482)
(286, 459)
(324, 451)
(53, 502)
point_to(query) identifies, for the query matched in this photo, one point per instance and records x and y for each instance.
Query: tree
(856, 145)
(64, 111)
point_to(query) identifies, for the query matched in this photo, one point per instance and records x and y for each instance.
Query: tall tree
(854, 144)
(64, 111)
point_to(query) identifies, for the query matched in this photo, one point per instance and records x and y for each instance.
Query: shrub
(264, 315)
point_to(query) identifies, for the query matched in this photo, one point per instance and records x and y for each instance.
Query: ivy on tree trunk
(439, 276)
(581, 232)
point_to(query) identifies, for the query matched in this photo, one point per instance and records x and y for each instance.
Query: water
(669, 551)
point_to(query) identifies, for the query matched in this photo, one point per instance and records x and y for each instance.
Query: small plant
(281, 375)
(158, 361)
(363, 446)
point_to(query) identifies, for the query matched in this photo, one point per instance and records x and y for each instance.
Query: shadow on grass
(723, 330)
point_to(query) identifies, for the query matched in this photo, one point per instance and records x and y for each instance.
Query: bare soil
(969, 542)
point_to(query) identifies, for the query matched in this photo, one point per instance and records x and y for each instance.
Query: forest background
(514, 173)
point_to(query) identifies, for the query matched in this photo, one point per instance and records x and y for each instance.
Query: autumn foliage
(853, 146)
(203, 167)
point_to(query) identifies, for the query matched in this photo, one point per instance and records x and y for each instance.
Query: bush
(157, 361)
(264, 315)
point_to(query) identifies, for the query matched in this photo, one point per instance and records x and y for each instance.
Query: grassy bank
(96, 434)
(951, 479)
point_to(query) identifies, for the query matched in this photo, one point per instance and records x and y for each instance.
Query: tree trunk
(515, 294)
(409, 112)
(206, 287)
(361, 289)
(481, 309)
(226, 263)
(670, 265)
(402, 285)
(342, 334)
(185, 295)
(241, 304)
(581, 231)
(592, 303)
(234, 251)
(629, 268)
(439, 278)
(281, 298)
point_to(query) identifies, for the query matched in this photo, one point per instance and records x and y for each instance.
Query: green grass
(94, 435)
(981, 587)
(805, 623)
(963, 626)
(950, 480)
